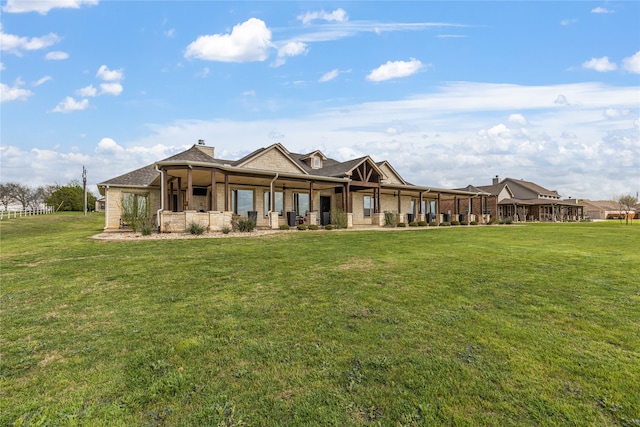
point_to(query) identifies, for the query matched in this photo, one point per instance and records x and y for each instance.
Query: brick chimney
(496, 180)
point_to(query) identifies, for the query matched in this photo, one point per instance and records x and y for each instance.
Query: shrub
(413, 224)
(328, 227)
(402, 224)
(391, 219)
(444, 224)
(508, 221)
(455, 222)
(147, 227)
(493, 220)
(226, 229)
(195, 228)
(433, 224)
(422, 223)
(474, 222)
(313, 227)
(244, 224)
(284, 226)
(302, 227)
(339, 219)
(464, 223)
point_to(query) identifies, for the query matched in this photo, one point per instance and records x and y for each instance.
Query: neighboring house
(272, 185)
(606, 209)
(100, 204)
(519, 200)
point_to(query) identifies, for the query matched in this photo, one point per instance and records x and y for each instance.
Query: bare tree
(23, 194)
(627, 203)
(7, 192)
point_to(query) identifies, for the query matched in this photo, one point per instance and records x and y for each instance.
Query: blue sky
(450, 93)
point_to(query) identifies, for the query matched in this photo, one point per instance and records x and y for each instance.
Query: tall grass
(503, 325)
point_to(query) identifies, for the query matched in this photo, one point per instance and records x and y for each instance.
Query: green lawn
(522, 325)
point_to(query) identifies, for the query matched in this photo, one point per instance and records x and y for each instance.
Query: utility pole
(84, 189)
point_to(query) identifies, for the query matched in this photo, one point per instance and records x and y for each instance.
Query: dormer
(314, 160)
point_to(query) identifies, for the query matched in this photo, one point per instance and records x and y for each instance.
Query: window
(368, 205)
(301, 203)
(135, 205)
(316, 162)
(279, 202)
(242, 201)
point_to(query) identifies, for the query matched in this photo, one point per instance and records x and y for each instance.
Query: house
(100, 204)
(518, 200)
(607, 209)
(272, 185)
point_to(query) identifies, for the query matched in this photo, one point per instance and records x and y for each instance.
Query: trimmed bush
(196, 229)
(302, 227)
(445, 224)
(464, 223)
(455, 222)
(474, 222)
(422, 223)
(433, 224)
(508, 221)
(328, 227)
(313, 227)
(413, 224)
(391, 219)
(284, 227)
(402, 224)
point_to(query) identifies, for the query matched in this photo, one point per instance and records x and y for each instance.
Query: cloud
(600, 10)
(41, 81)
(330, 75)
(56, 55)
(396, 69)
(16, 45)
(110, 89)
(248, 42)
(632, 63)
(566, 22)
(105, 73)
(338, 15)
(14, 93)
(613, 113)
(204, 73)
(561, 100)
(170, 33)
(44, 6)
(249, 93)
(292, 48)
(69, 104)
(600, 64)
(518, 118)
(87, 91)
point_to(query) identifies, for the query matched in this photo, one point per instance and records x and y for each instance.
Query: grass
(501, 326)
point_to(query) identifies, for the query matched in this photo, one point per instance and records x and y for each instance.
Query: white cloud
(69, 104)
(561, 100)
(110, 89)
(108, 145)
(566, 22)
(2, 67)
(338, 15)
(106, 74)
(517, 118)
(43, 6)
(248, 42)
(632, 63)
(330, 75)
(600, 64)
(56, 55)
(170, 33)
(204, 73)
(396, 69)
(292, 48)
(41, 81)
(600, 9)
(249, 93)
(16, 45)
(14, 93)
(616, 113)
(87, 91)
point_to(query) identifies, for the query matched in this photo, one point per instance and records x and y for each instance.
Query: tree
(627, 203)
(23, 194)
(70, 198)
(7, 192)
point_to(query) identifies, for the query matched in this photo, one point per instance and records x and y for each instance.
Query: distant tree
(7, 192)
(627, 203)
(23, 194)
(70, 198)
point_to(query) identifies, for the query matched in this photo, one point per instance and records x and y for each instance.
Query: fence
(19, 213)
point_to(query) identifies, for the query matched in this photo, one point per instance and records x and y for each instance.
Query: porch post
(437, 212)
(420, 203)
(399, 202)
(180, 204)
(310, 196)
(189, 189)
(214, 191)
(165, 188)
(226, 192)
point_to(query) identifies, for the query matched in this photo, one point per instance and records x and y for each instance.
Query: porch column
(165, 187)
(226, 193)
(214, 191)
(180, 204)
(420, 203)
(171, 207)
(399, 202)
(189, 189)
(437, 212)
(311, 196)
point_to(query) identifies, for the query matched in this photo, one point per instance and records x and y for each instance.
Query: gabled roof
(532, 186)
(314, 153)
(138, 178)
(193, 154)
(385, 163)
(277, 146)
